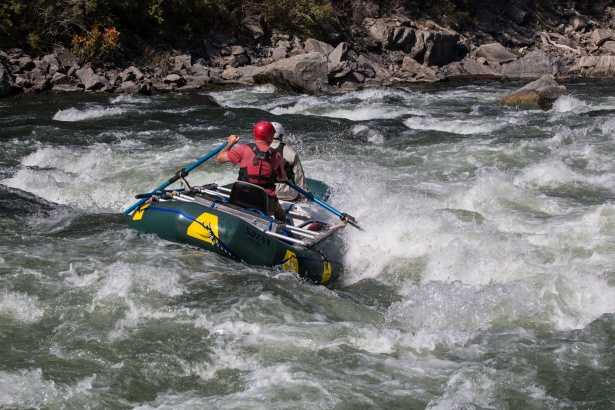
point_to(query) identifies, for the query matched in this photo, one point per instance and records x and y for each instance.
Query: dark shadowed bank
(310, 46)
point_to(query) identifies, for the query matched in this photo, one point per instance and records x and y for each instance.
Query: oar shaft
(180, 174)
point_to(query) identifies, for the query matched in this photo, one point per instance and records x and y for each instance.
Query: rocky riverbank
(381, 51)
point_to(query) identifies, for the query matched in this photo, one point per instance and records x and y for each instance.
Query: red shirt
(241, 155)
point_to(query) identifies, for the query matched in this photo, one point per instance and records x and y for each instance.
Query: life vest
(288, 167)
(260, 170)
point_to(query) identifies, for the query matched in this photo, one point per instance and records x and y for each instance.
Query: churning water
(484, 279)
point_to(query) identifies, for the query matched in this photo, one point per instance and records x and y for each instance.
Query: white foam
(570, 104)
(74, 114)
(28, 389)
(130, 99)
(461, 127)
(20, 306)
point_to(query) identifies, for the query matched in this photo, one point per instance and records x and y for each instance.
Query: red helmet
(263, 131)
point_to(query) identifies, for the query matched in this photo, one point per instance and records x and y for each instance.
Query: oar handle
(183, 172)
(342, 215)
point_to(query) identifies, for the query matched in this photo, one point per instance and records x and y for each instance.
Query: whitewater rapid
(485, 263)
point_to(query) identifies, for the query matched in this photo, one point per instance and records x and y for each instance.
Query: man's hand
(232, 140)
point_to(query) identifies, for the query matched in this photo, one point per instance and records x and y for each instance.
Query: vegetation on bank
(98, 29)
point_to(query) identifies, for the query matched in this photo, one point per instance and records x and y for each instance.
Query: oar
(342, 215)
(179, 174)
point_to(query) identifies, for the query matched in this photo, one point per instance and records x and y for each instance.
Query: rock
(65, 57)
(578, 23)
(90, 80)
(231, 74)
(279, 53)
(413, 70)
(162, 86)
(66, 88)
(609, 47)
(25, 64)
(59, 78)
(237, 60)
(199, 70)
(495, 53)
(38, 79)
(53, 63)
(113, 76)
(132, 73)
(439, 47)
(182, 62)
(302, 73)
(601, 36)
(253, 24)
(6, 81)
(128, 87)
(198, 81)
(533, 65)
(237, 50)
(537, 94)
(391, 33)
(596, 66)
(312, 45)
(22, 82)
(337, 57)
(401, 38)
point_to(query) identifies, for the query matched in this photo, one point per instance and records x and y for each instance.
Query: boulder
(59, 78)
(128, 87)
(533, 65)
(312, 45)
(279, 53)
(600, 36)
(596, 66)
(65, 57)
(6, 81)
(578, 23)
(391, 33)
(415, 71)
(199, 70)
(471, 67)
(175, 79)
(254, 26)
(39, 80)
(537, 94)
(90, 80)
(53, 63)
(182, 62)
(495, 53)
(337, 57)
(440, 47)
(132, 73)
(302, 73)
(609, 47)
(66, 88)
(24, 64)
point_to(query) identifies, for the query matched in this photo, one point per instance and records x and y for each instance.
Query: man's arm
(222, 157)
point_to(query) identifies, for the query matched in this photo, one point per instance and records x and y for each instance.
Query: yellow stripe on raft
(138, 215)
(326, 272)
(292, 263)
(198, 229)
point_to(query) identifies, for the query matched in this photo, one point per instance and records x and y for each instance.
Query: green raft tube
(234, 221)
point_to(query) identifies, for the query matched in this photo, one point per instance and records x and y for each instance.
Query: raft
(233, 221)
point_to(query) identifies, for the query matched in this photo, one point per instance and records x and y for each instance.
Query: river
(484, 279)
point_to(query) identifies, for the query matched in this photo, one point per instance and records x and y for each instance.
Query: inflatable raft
(235, 221)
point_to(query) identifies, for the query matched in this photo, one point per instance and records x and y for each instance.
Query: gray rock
(600, 36)
(337, 57)
(90, 80)
(66, 58)
(113, 76)
(237, 50)
(437, 48)
(200, 70)
(59, 78)
(391, 32)
(596, 66)
(254, 26)
(579, 23)
(279, 53)
(198, 81)
(495, 53)
(413, 70)
(175, 79)
(302, 73)
(66, 88)
(54, 63)
(533, 65)
(237, 60)
(609, 47)
(128, 87)
(6, 81)
(39, 80)
(182, 62)
(162, 87)
(540, 93)
(401, 38)
(22, 82)
(131, 73)
(312, 45)
(25, 64)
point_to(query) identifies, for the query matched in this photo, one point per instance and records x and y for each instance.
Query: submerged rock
(537, 94)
